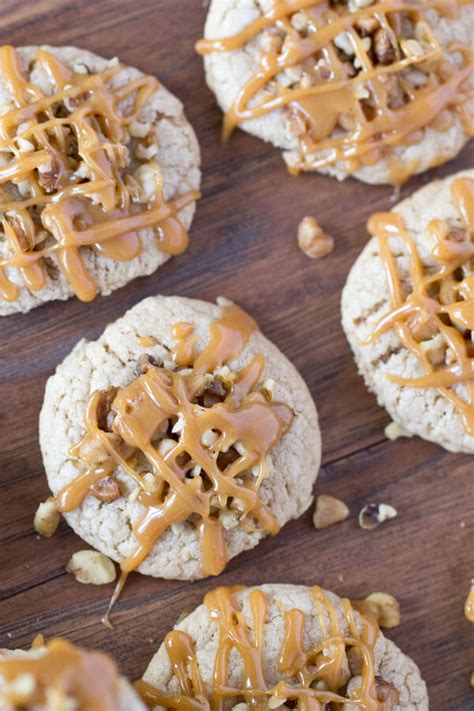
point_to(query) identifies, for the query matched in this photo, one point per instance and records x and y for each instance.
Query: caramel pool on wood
(313, 678)
(344, 107)
(89, 678)
(217, 440)
(57, 141)
(440, 304)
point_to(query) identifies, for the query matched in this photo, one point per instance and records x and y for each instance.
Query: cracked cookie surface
(170, 142)
(423, 411)
(111, 361)
(228, 72)
(319, 607)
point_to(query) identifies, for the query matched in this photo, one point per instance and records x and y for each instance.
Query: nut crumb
(394, 430)
(223, 301)
(387, 607)
(372, 515)
(329, 511)
(106, 490)
(47, 518)
(312, 240)
(91, 567)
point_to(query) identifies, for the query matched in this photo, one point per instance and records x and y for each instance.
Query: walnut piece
(106, 490)
(312, 240)
(388, 609)
(394, 431)
(91, 567)
(372, 515)
(422, 326)
(383, 47)
(47, 518)
(329, 511)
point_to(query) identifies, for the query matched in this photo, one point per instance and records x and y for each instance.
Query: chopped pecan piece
(372, 515)
(48, 175)
(106, 490)
(214, 393)
(104, 415)
(23, 240)
(383, 46)
(422, 326)
(385, 690)
(329, 511)
(312, 240)
(144, 362)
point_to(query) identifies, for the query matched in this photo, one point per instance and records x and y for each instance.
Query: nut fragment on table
(372, 515)
(46, 518)
(388, 609)
(469, 604)
(329, 511)
(91, 567)
(312, 240)
(394, 431)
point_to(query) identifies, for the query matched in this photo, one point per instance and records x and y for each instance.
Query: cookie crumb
(312, 240)
(47, 518)
(329, 511)
(387, 607)
(394, 431)
(91, 568)
(372, 515)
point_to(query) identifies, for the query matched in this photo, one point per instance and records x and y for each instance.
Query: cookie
(344, 88)
(246, 646)
(99, 171)
(408, 312)
(179, 438)
(60, 676)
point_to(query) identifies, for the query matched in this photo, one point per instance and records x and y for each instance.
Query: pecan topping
(106, 490)
(384, 49)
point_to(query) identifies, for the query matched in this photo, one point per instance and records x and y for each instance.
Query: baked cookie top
(281, 646)
(408, 312)
(179, 439)
(98, 175)
(378, 90)
(58, 676)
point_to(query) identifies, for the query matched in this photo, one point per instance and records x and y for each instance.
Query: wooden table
(243, 245)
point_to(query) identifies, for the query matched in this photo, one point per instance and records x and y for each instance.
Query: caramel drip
(89, 678)
(311, 678)
(97, 213)
(347, 115)
(444, 296)
(195, 479)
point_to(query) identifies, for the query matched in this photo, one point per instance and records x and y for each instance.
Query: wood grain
(242, 245)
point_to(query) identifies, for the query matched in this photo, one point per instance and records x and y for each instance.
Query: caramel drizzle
(178, 492)
(321, 105)
(90, 678)
(441, 295)
(98, 213)
(312, 679)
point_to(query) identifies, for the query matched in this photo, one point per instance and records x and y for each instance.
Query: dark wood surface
(243, 245)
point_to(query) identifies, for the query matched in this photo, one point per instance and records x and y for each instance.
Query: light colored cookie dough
(178, 158)
(390, 663)
(228, 72)
(365, 299)
(126, 697)
(112, 361)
